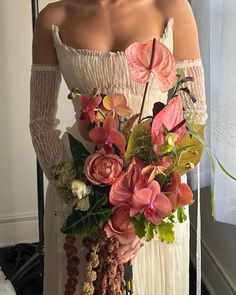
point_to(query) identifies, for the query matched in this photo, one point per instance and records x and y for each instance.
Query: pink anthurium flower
(180, 194)
(117, 104)
(162, 65)
(151, 202)
(123, 189)
(107, 135)
(170, 117)
(89, 106)
(157, 168)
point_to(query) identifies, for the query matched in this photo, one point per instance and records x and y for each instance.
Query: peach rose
(103, 169)
(120, 225)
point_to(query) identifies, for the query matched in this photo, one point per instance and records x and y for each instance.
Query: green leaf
(149, 231)
(211, 157)
(79, 154)
(139, 225)
(165, 230)
(182, 217)
(128, 126)
(190, 149)
(84, 223)
(140, 144)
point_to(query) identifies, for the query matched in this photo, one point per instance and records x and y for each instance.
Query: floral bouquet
(130, 188)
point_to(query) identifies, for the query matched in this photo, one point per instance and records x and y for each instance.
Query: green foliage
(84, 223)
(165, 230)
(79, 154)
(182, 217)
(150, 229)
(128, 126)
(139, 225)
(140, 144)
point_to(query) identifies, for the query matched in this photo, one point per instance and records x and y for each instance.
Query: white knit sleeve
(44, 88)
(194, 112)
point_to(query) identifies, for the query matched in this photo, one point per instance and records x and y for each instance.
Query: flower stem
(147, 84)
(101, 113)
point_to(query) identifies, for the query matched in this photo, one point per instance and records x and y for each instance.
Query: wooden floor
(34, 287)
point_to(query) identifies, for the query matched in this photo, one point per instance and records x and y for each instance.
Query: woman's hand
(129, 251)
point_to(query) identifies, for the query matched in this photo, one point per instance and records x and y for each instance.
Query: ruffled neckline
(84, 51)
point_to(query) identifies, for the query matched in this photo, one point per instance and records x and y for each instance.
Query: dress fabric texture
(159, 268)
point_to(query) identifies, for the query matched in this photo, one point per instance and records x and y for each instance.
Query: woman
(85, 41)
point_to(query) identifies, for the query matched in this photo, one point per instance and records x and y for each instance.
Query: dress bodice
(109, 71)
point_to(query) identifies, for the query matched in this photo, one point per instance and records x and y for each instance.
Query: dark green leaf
(84, 223)
(139, 225)
(79, 154)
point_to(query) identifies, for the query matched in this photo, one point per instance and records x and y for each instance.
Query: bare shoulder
(186, 43)
(43, 49)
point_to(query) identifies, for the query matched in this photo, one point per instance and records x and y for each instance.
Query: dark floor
(34, 286)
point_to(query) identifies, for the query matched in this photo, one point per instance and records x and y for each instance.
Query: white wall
(218, 239)
(18, 196)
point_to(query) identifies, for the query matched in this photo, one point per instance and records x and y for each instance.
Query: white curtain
(218, 18)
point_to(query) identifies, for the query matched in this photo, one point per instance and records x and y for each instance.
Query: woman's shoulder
(52, 13)
(186, 45)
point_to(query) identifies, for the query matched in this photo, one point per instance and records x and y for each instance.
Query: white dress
(6, 287)
(159, 268)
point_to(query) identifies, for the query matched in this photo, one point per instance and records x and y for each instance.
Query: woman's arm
(188, 56)
(44, 88)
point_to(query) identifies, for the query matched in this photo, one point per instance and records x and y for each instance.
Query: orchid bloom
(170, 117)
(89, 106)
(151, 202)
(116, 104)
(154, 57)
(107, 135)
(180, 194)
(123, 189)
(157, 168)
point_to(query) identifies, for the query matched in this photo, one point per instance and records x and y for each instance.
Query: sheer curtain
(223, 104)
(216, 21)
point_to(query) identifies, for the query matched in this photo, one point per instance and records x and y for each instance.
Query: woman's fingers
(129, 251)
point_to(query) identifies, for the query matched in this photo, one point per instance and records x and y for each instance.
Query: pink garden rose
(120, 225)
(103, 169)
(123, 189)
(151, 202)
(163, 64)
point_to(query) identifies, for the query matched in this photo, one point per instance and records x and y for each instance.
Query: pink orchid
(154, 57)
(157, 168)
(123, 189)
(170, 116)
(107, 135)
(151, 202)
(89, 107)
(116, 104)
(180, 193)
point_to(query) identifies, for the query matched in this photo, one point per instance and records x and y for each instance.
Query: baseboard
(213, 274)
(18, 228)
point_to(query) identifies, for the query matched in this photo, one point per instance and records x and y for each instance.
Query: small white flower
(83, 204)
(81, 191)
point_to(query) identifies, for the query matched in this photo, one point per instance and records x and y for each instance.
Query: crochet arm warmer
(195, 113)
(44, 88)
